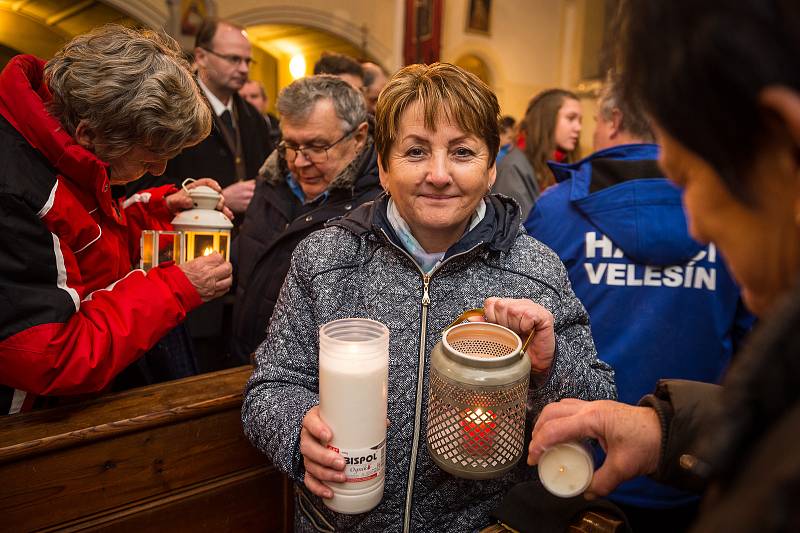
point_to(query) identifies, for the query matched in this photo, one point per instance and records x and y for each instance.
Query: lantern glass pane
(147, 245)
(224, 245)
(200, 244)
(169, 246)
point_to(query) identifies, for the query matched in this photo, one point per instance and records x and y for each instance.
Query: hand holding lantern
(525, 317)
(211, 275)
(181, 200)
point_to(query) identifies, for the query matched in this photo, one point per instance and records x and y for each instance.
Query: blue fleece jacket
(661, 305)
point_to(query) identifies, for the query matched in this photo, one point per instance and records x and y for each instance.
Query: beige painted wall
(522, 49)
(532, 45)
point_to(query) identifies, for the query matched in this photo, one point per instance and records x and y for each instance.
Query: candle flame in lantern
(479, 426)
(208, 250)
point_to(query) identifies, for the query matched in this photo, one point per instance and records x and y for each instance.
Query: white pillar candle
(566, 469)
(353, 390)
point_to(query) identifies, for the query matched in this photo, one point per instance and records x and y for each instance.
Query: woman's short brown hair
(133, 88)
(440, 87)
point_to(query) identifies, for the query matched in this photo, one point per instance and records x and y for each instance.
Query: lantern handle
(185, 182)
(478, 311)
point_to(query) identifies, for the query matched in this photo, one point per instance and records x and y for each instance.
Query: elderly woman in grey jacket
(434, 245)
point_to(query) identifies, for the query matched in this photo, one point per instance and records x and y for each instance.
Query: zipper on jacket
(412, 467)
(426, 301)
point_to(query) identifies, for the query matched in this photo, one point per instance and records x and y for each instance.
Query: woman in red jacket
(111, 105)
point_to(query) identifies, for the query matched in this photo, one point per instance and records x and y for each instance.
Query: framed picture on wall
(192, 14)
(479, 16)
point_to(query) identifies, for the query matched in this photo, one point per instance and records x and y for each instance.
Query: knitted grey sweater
(356, 268)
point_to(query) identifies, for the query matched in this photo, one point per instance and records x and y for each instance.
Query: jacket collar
(581, 171)
(23, 102)
(498, 230)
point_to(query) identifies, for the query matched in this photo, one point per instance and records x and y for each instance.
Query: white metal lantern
(199, 231)
(205, 230)
(476, 405)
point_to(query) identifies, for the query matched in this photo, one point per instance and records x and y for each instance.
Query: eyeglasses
(231, 58)
(315, 154)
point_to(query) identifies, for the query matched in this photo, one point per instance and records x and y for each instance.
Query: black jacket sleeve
(685, 408)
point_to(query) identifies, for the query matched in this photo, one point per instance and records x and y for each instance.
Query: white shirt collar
(216, 103)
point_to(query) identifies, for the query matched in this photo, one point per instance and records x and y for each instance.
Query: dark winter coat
(742, 436)
(275, 222)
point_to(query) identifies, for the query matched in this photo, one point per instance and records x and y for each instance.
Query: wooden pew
(169, 457)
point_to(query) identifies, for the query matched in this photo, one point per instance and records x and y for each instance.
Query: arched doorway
(277, 47)
(476, 65)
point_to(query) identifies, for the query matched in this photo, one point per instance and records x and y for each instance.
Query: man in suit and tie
(239, 141)
(232, 154)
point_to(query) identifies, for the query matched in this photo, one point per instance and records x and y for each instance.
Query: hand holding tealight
(630, 436)
(566, 469)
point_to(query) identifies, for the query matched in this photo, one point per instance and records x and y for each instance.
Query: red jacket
(72, 313)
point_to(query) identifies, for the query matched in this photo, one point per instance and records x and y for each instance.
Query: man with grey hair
(619, 227)
(325, 166)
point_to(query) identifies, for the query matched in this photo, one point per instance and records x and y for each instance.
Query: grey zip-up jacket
(357, 268)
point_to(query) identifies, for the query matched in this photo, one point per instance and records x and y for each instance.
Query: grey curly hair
(131, 87)
(296, 101)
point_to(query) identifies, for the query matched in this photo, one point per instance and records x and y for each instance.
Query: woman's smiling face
(436, 178)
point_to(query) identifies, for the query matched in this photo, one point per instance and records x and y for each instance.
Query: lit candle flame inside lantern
(208, 250)
(479, 426)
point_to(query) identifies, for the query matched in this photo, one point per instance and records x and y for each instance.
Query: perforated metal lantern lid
(482, 354)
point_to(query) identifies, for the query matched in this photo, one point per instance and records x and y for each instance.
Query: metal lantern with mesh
(476, 406)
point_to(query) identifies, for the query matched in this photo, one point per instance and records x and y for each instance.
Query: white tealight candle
(566, 469)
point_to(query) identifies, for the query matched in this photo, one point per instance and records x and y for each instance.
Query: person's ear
(84, 136)
(492, 176)
(783, 106)
(785, 103)
(615, 123)
(360, 135)
(382, 174)
(200, 57)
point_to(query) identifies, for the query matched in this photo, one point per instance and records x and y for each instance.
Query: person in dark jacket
(415, 259)
(552, 127)
(325, 166)
(619, 227)
(110, 105)
(726, 112)
(240, 139)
